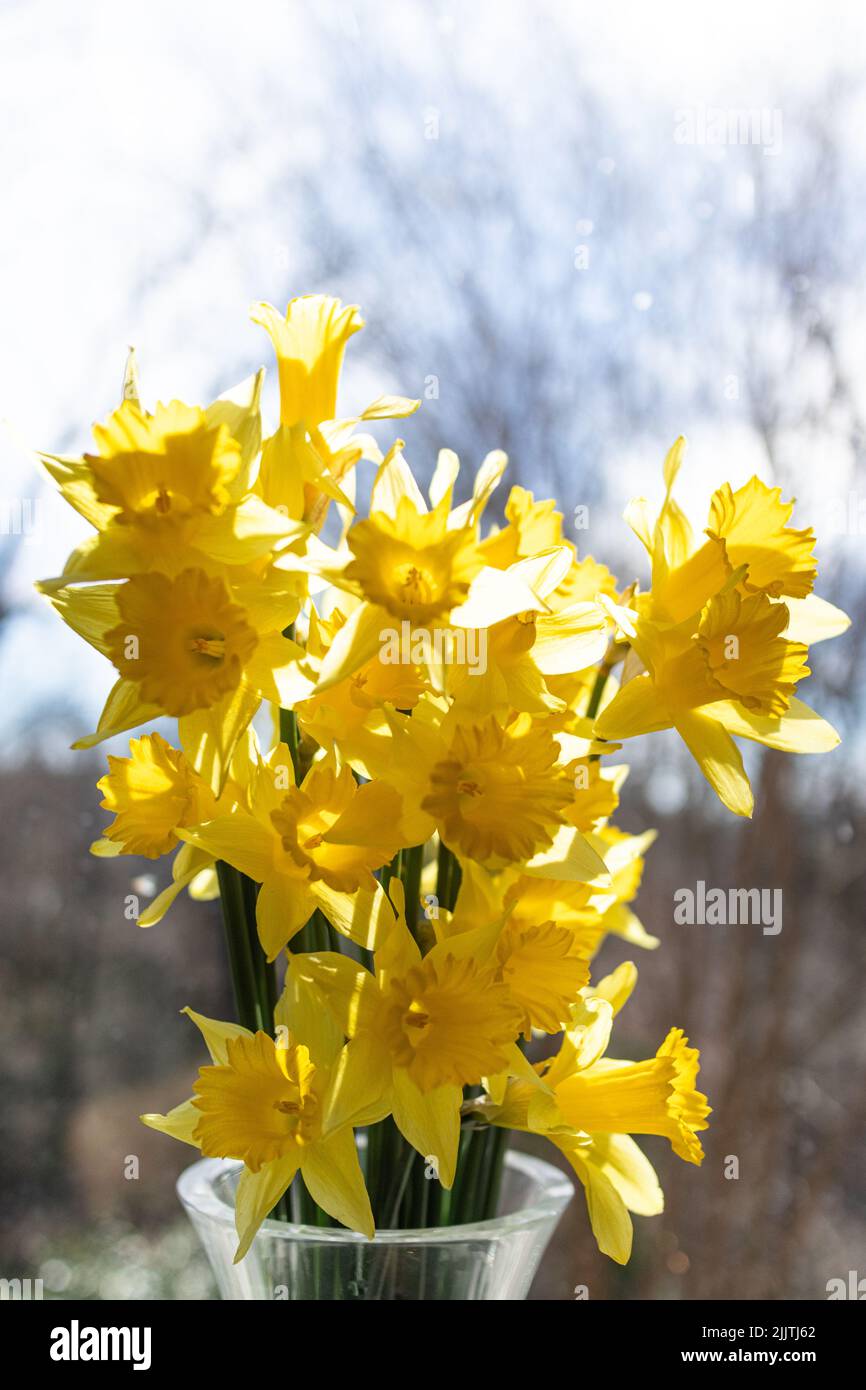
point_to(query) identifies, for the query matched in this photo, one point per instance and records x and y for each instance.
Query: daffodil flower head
(315, 825)
(411, 564)
(447, 1021)
(497, 795)
(544, 968)
(658, 1096)
(162, 469)
(752, 524)
(741, 641)
(152, 793)
(310, 341)
(263, 1103)
(184, 641)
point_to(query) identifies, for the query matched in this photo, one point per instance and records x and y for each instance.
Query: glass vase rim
(196, 1188)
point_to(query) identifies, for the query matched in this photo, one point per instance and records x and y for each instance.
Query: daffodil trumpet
(414, 847)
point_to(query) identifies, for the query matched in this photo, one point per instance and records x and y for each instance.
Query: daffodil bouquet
(396, 764)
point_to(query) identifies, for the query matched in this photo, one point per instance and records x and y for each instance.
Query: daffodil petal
(608, 1214)
(360, 1084)
(570, 857)
(216, 1034)
(240, 840)
(718, 758)
(799, 730)
(179, 1123)
(282, 908)
(635, 709)
(430, 1122)
(258, 1194)
(333, 1177)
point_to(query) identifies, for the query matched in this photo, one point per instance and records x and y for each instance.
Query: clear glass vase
(483, 1260)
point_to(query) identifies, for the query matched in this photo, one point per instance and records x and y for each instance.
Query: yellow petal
(813, 619)
(608, 1214)
(348, 989)
(718, 758)
(799, 730)
(301, 1012)
(495, 595)
(430, 1122)
(282, 907)
(246, 532)
(216, 1034)
(635, 709)
(179, 1122)
(240, 840)
(333, 1177)
(360, 1085)
(627, 1167)
(570, 857)
(156, 910)
(617, 987)
(124, 709)
(90, 612)
(209, 737)
(258, 1194)
(364, 917)
(390, 408)
(238, 409)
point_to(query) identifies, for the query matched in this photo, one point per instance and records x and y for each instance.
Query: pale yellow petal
(799, 730)
(216, 1034)
(179, 1122)
(608, 1214)
(257, 1195)
(718, 758)
(430, 1122)
(333, 1177)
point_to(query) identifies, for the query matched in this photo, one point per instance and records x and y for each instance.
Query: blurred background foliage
(500, 188)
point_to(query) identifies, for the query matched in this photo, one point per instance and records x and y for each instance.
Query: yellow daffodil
(717, 652)
(498, 793)
(189, 646)
(151, 793)
(305, 463)
(495, 795)
(154, 793)
(171, 489)
(544, 969)
(420, 1029)
(407, 563)
(268, 1104)
(590, 1105)
(313, 846)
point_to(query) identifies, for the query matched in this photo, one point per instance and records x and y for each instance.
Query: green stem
(239, 949)
(289, 734)
(411, 866)
(448, 877)
(595, 699)
(496, 1145)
